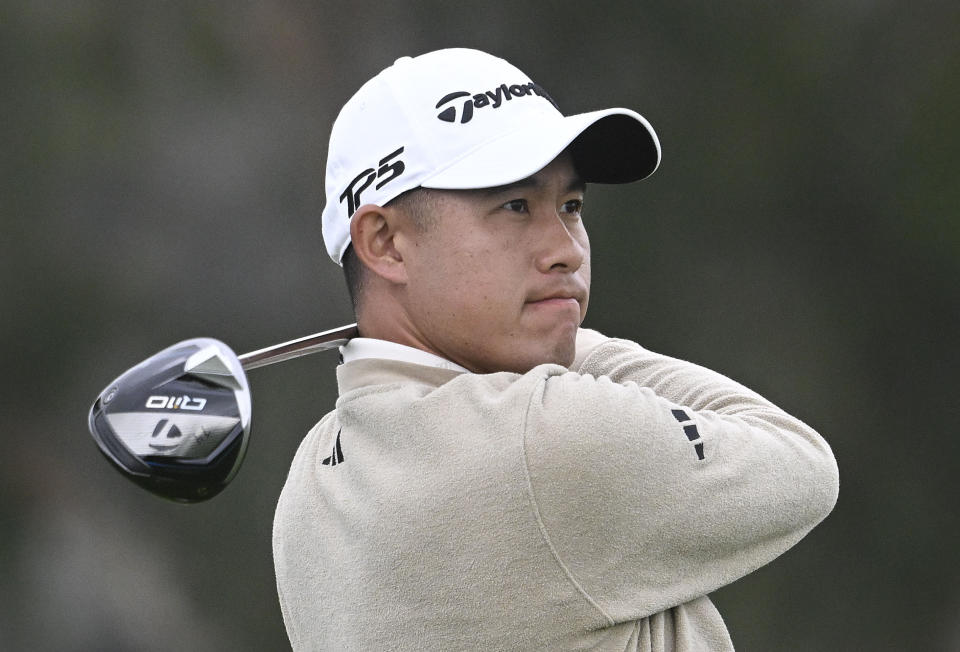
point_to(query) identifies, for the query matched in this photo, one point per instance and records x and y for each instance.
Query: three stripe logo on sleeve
(336, 457)
(690, 430)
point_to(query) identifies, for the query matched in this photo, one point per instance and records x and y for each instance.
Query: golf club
(178, 423)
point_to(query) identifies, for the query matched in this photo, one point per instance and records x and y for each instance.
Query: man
(494, 477)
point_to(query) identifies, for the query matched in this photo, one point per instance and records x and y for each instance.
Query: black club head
(178, 423)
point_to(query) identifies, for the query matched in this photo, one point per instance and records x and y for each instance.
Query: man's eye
(518, 205)
(573, 206)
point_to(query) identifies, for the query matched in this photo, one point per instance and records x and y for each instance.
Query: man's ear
(373, 231)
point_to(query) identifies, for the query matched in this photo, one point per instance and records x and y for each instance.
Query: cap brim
(609, 146)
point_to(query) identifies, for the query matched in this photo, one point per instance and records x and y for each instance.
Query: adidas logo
(494, 99)
(336, 457)
(690, 430)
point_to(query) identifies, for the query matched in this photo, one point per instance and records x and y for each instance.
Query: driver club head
(178, 423)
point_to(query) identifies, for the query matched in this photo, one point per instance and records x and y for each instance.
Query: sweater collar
(377, 362)
(361, 348)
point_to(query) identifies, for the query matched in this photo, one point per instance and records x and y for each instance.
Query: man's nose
(559, 248)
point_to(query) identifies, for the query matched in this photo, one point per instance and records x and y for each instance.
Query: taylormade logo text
(494, 99)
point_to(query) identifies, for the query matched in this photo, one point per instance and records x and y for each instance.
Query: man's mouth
(558, 296)
(556, 301)
(561, 300)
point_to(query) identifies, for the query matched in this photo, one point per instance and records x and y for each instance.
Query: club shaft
(295, 348)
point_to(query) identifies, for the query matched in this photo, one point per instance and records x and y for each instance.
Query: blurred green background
(162, 178)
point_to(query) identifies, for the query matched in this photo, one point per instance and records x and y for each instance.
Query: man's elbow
(817, 488)
(827, 483)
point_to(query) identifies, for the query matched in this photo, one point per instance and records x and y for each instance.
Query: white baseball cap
(461, 119)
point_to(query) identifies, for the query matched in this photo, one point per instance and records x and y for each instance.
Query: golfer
(494, 476)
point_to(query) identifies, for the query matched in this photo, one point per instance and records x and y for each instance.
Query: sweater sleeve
(656, 481)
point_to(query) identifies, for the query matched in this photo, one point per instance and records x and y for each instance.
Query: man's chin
(525, 351)
(562, 353)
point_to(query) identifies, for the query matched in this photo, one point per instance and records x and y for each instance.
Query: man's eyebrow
(576, 184)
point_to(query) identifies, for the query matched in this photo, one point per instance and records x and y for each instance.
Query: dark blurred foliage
(162, 174)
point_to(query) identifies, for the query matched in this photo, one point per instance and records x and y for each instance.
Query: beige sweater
(590, 509)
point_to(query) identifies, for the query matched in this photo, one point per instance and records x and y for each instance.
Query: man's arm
(657, 481)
